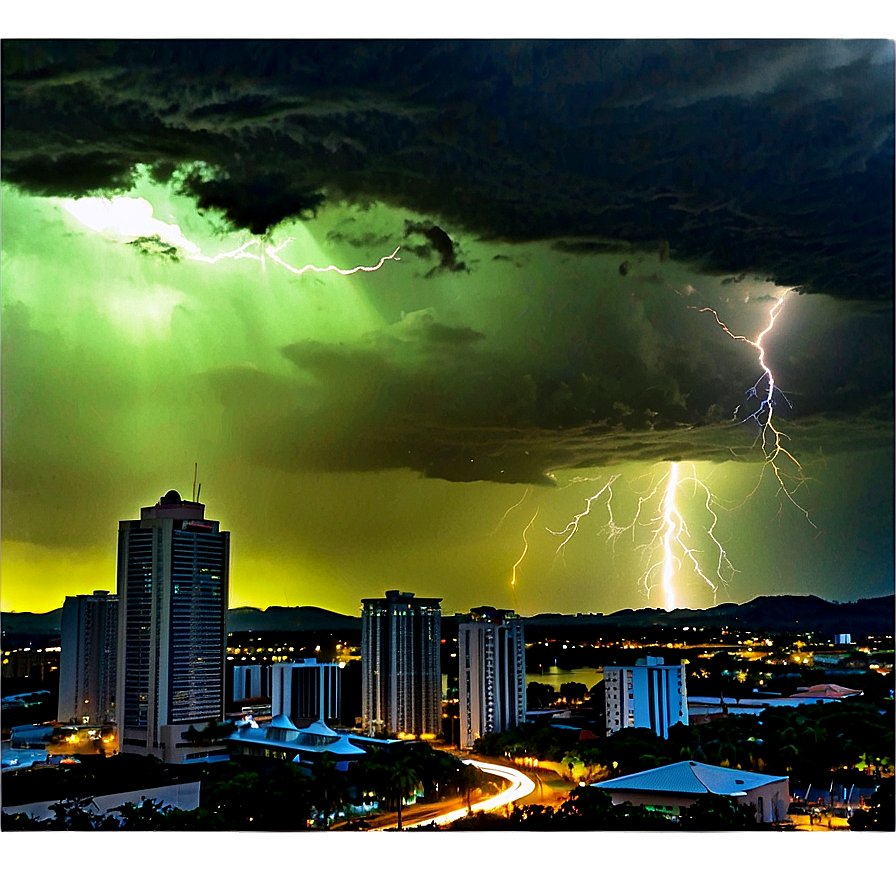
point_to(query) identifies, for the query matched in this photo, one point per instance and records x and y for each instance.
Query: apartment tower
(88, 659)
(173, 577)
(491, 679)
(650, 694)
(401, 664)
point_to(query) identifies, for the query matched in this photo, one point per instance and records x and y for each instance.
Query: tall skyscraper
(88, 659)
(649, 694)
(173, 576)
(491, 680)
(306, 690)
(401, 664)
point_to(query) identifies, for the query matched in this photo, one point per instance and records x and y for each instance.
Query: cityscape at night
(448, 435)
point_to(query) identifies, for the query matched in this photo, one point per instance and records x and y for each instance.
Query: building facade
(649, 694)
(251, 681)
(173, 579)
(401, 664)
(491, 673)
(307, 690)
(88, 659)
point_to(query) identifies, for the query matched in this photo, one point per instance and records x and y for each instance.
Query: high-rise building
(251, 681)
(173, 576)
(491, 679)
(401, 664)
(306, 690)
(649, 694)
(88, 659)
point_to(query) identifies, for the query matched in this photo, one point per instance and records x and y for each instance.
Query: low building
(671, 788)
(281, 739)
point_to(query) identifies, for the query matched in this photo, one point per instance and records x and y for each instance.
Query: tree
(717, 812)
(329, 788)
(399, 776)
(880, 815)
(538, 695)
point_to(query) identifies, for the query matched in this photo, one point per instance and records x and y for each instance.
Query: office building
(88, 659)
(649, 694)
(491, 673)
(401, 664)
(173, 575)
(306, 690)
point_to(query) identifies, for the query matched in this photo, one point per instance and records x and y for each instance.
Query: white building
(491, 673)
(401, 664)
(251, 681)
(670, 788)
(306, 690)
(88, 659)
(649, 694)
(173, 575)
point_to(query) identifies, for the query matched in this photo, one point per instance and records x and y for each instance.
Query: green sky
(315, 405)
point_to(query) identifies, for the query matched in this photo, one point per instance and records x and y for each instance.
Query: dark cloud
(772, 157)
(450, 402)
(435, 241)
(156, 246)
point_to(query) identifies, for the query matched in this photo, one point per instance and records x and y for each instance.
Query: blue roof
(691, 778)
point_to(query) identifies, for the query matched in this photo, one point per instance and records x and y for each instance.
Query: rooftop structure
(670, 788)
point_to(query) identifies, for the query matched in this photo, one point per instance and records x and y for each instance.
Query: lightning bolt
(525, 550)
(273, 252)
(786, 469)
(126, 218)
(667, 541)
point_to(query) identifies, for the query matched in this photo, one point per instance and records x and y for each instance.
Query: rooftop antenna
(195, 471)
(197, 493)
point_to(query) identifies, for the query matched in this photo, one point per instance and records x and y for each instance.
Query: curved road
(521, 785)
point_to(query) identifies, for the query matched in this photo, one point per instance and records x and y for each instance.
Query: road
(519, 786)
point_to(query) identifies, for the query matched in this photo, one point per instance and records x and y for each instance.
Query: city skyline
(452, 418)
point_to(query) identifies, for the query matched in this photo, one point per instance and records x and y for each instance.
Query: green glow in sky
(334, 419)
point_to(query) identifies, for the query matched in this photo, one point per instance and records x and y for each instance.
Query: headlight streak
(769, 437)
(521, 786)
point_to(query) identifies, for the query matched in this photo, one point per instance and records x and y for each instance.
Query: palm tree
(329, 787)
(398, 776)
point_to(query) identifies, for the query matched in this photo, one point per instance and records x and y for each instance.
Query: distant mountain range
(784, 613)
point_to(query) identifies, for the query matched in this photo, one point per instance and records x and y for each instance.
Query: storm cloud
(773, 157)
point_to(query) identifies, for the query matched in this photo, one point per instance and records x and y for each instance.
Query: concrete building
(307, 690)
(649, 694)
(491, 673)
(251, 682)
(401, 664)
(671, 787)
(88, 659)
(173, 577)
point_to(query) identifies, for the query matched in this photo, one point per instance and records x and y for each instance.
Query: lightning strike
(662, 535)
(129, 218)
(765, 391)
(510, 510)
(525, 550)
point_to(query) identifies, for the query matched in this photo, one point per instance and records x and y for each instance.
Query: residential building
(306, 690)
(173, 575)
(88, 659)
(251, 682)
(491, 673)
(649, 694)
(401, 664)
(670, 788)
